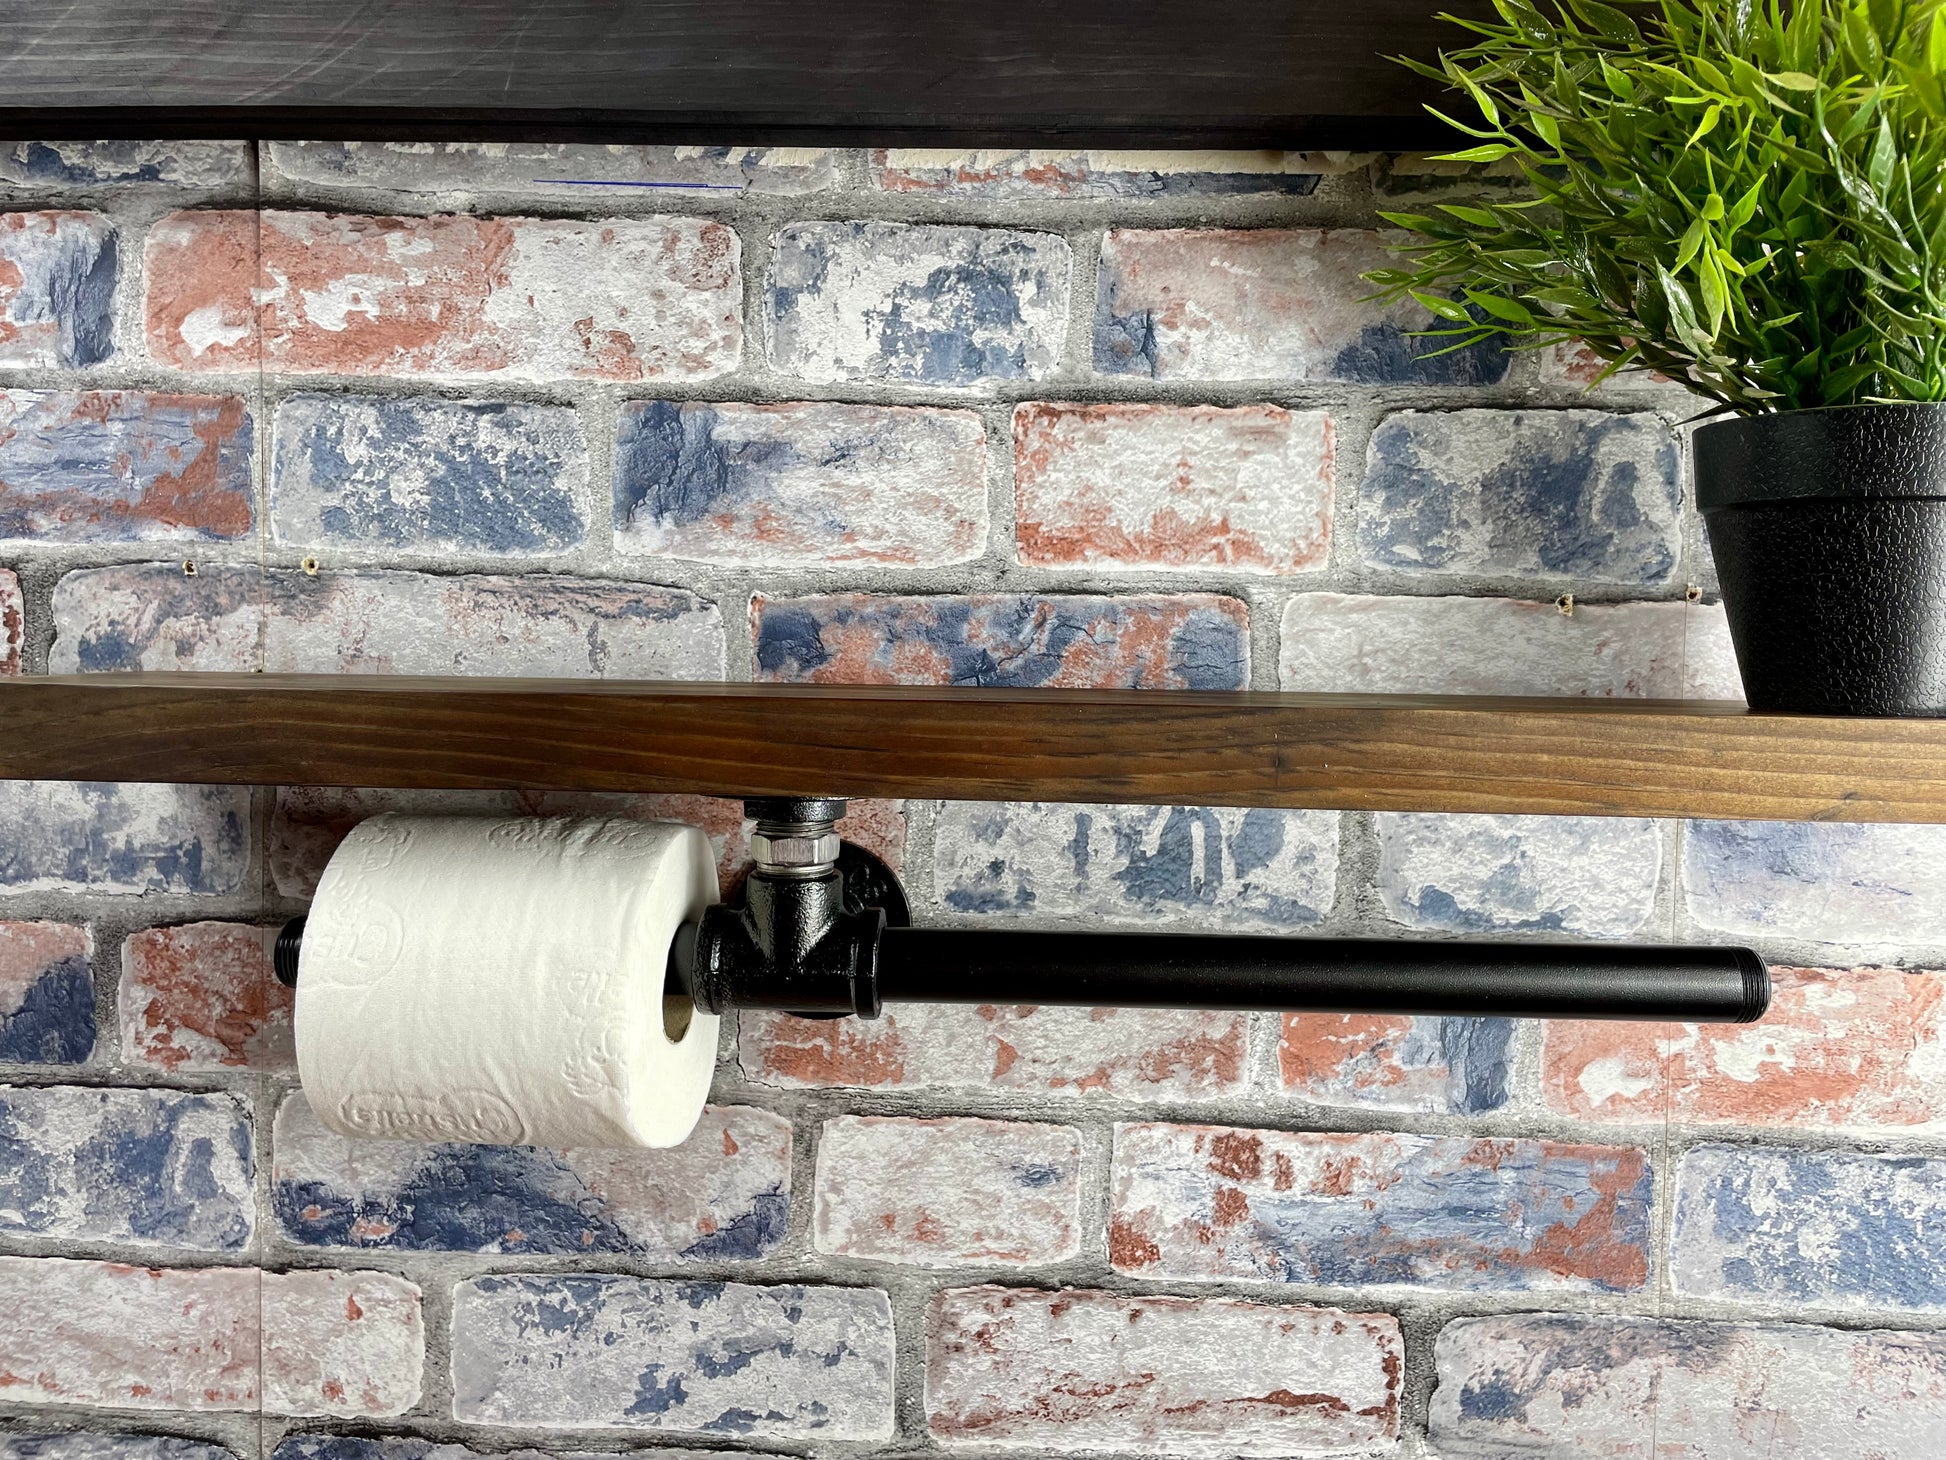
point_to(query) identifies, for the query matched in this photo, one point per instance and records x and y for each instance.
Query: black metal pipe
(1323, 975)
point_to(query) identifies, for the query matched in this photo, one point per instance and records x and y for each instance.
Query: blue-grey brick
(1218, 867)
(47, 994)
(419, 475)
(600, 1352)
(800, 483)
(119, 164)
(176, 164)
(57, 289)
(1579, 495)
(1803, 1228)
(1829, 882)
(146, 1166)
(722, 1195)
(96, 836)
(1005, 640)
(107, 1445)
(916, 304)
(1584, 876)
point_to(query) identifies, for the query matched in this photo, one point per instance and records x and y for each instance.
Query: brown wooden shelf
(874, 73)
(1346, 752)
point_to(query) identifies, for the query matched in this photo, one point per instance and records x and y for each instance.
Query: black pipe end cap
(284, 955)
(1756, 985)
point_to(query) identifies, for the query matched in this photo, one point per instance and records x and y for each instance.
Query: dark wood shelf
(1346, 752)
(1001, 73)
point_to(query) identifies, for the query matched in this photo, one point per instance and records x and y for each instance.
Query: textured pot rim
(1885, 452)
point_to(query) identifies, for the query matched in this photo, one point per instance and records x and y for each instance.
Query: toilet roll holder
(822, 929)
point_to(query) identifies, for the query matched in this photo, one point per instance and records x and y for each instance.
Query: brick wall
(1062, 419)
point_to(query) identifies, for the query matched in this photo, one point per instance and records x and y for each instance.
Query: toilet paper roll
(501, 982)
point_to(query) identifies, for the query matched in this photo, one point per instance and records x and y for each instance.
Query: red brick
(1076, 1371)
(1160, 486)
(340, 1343)
(1152, 1054)
(947, 1193)
(203, 997)
(518, 298)
(124, 466)
(1854, 1048)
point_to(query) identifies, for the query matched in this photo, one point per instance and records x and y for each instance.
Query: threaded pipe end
(1756, 985)
(283, 957)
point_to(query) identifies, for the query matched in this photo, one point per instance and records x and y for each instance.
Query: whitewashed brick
(1135, 485)
(722, 1195)
(101, 1445)
(1216, 1204)
(239, 619)
(1075, 1371)
(1340, 643)
(579, 170)
(948, 1193)
(98, 836)
(800, 483)
(1580, 876)
(1554, 1387)
(1178, 866)
(1139, 1054)
(337, 1343)
(1823, 881)
(1037, 174)
(916, 304)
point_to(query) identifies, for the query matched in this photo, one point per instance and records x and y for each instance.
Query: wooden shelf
(1346, 752)
(877, 73)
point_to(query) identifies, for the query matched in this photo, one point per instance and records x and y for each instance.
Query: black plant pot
(1829, 533)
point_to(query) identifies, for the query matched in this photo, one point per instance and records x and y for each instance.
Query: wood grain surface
(1569, 756)
(1153, 73)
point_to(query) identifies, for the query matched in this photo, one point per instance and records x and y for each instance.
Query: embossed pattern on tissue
(358, 934)
(476, 1116)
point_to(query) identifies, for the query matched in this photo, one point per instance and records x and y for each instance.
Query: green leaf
(1444, 308)
(1885, 153)
(1488, 152)
(1478, 217)
(1792, 80)
(1501, 308)
(1693, 240)
(1711, 114)
(1745, 207)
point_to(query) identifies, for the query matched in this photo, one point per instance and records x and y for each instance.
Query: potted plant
(1748, 196)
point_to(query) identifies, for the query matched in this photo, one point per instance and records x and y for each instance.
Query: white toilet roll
(501, 982)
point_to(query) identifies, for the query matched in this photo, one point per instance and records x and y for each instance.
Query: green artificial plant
(1746, 195)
